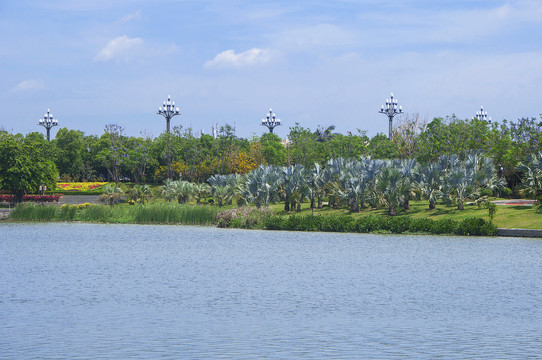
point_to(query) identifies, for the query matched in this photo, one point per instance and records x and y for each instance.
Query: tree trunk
(320, 202)
(432, 205)
(298, 207)
(460, 205)
(406, 203)
(392, 211)
(219, 202)
(312, 203)
(198, 201)
(286, 205)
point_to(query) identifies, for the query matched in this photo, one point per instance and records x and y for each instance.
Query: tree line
(28, 161)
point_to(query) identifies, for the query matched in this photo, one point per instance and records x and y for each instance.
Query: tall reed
(174, 214)
(97, 213)
(33, 212)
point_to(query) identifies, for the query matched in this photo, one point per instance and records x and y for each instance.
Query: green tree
(70, 150)
(24, 166)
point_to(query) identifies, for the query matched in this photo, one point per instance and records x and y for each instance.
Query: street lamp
(390, 110)
(48, 122)
(271, 121)
(168, 110)
(482, 115)
(43, 188)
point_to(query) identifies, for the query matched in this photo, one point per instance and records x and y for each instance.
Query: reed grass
(97, 213)
(33, 212)
(158, 213)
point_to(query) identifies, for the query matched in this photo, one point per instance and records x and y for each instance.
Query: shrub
(486, 192)
(476, 226)
(421, 225)
(444, 226)
(399, 224)
(244, 217)
(274, 223)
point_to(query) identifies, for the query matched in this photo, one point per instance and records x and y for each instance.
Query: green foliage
(174, 214)
(371, 224)
(25, 164)
(67, 212)
(33, 212)
(97, 213)
(476, 226)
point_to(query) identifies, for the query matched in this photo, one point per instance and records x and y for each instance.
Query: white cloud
(127, 18)
(229, 59)
(27, 85)
(121, 47)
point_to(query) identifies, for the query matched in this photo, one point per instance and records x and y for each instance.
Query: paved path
(79, 199)
(515, 202)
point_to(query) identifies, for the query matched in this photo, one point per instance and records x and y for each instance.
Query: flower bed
(7, 198)
(42, 198)
(31, 198)
(80, 186)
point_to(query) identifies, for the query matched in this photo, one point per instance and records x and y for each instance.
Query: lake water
(83, 291)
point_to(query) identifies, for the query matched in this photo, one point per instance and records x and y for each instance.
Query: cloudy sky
(315, 62)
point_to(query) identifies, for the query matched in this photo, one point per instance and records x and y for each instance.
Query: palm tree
(111, 194)
(391, 187)
(407, 168)
(459, 184)
(532, 174)
(429, 182)
(168, 190)
(183, 191)
(291, 179)
(199, 191)
(140, 193)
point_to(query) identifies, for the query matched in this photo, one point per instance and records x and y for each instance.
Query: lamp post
(482, 115)
(271, 121)
(48, 122)
(168, 110)
(390, 110)
(43, 188)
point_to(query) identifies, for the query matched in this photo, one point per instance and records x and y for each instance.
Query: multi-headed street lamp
(168, 110)
(271, 121)
(390, 110)
(48, 122)
(482, 115)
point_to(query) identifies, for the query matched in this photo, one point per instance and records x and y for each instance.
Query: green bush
(420, 225)
(443, 226)
(274, 223)
(486, 192)
(476, 226)
(399, 224)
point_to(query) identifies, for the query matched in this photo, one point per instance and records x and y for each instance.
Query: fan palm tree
(391, 187)
(429, 182)
(168, 190)
(112, 194)
(532, 174)
(183, 191)
(199, 191)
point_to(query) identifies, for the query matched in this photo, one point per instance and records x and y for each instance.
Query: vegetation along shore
(438, 177)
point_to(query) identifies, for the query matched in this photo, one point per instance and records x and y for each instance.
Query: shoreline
(501, 232)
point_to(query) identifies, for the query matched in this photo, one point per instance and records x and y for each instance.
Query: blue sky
(331, 62)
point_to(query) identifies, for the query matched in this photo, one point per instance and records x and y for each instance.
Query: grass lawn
(507, 216)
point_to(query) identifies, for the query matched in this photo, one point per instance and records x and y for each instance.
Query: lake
(91, 291)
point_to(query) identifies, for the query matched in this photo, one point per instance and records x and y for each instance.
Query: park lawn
(509, 217)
